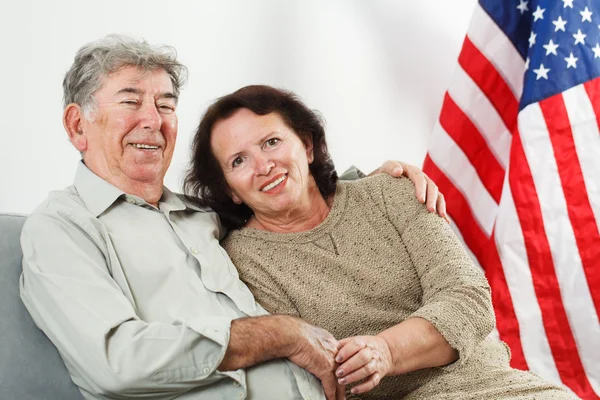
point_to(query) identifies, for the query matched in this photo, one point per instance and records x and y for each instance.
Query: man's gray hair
(102, 57)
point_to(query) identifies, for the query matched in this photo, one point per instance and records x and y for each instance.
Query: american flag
(517, 154)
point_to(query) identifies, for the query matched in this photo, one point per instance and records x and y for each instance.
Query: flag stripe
(466, 135)
(593, 90)
(586, 133)
(451, 159)
(485, 251)
(511, 248)
(469, 98)
(485, 34)
(579, 209)
(490, 82)
(545, 282)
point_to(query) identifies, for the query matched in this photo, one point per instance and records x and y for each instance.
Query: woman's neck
(311, 214)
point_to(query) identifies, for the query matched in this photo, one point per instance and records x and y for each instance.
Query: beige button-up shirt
(139, 300)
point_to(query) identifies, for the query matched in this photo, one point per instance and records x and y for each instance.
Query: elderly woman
(364, 260)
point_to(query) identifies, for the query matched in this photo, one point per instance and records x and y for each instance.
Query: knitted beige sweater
(377, 259)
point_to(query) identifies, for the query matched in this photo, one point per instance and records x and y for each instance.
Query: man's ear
(72, 121)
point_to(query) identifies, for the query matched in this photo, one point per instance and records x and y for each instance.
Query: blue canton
(558, 39)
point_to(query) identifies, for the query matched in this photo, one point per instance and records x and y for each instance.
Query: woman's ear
(235, 198)
(72, 117)
(308, 145)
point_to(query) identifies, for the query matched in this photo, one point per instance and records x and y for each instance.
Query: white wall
(376, 69)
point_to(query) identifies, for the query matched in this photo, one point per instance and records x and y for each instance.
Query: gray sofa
(30, 367)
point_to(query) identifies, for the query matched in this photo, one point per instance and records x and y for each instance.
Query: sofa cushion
(30, 367)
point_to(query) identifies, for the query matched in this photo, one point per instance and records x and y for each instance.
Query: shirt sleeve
(109, 350)
(456, 295)
(352, 174)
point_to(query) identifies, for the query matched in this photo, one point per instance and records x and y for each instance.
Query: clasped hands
(364, 359)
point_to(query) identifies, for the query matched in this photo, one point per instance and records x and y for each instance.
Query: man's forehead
(135, 78)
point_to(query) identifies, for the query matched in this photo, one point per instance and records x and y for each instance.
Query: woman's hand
(366, 358)
(425, 189)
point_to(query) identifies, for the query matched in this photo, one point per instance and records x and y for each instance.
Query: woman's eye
(272, 142)
(237, 162)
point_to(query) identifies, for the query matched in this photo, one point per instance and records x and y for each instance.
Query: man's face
(131, 136)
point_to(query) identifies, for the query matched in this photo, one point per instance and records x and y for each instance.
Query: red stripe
(579, 208)
(545, 283)
(491, 83)
(485, 251)
(593, 90)
(466, 135)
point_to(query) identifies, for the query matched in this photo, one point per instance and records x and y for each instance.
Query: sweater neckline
(332, 219)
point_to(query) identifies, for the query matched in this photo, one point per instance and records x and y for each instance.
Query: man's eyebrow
(132, 90)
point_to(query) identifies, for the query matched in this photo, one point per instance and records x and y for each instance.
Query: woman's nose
(264, 165)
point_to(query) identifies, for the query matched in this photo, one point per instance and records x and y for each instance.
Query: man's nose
(151, 118)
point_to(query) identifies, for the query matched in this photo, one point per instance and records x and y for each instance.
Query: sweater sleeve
(259, 276)
(456, 295)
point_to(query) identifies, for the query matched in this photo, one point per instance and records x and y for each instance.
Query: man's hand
(315, 351)
(366, 358)
(425, 189)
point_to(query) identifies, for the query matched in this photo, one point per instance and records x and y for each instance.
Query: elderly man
(129, 281)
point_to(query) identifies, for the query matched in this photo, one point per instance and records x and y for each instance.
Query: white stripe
(511, 248)
(587, 142)
(469, 98)
(565, 254)
(498, 49)
(446, 154)
(494, 333)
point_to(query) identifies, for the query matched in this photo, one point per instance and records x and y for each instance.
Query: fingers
(330, 386)
(418, 178)
(367, 384)
(390, 167)
(441, 207)
(357, 367)
(364, 365)
(350, 346)
(341, 392)
(432, 194)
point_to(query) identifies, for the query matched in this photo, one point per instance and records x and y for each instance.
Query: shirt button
(205, 370)
(194, 250)
(236, 383)
(130, 200)
(241, 395)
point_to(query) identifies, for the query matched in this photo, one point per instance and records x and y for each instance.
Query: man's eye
(131, 102)
(272, 142)
(166, 108)
(237, 162)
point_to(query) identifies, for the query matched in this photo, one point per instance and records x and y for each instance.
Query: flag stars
(551, 48)
(523, 6)
(532, 39)
(541, 72)
(579, 37)
(571, 61)
(559, 24)
(527, 64)
(596, 51)
(586, 15)
(567, 3)
(538, 13)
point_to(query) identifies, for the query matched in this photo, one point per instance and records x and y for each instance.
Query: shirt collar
(98, 195)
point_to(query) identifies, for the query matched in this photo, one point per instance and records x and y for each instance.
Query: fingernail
(397, 171)
(342, 381)
(338, 358)
(340, 372)
(354, 390)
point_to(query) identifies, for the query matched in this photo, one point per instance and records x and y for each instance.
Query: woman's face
(264, 162)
